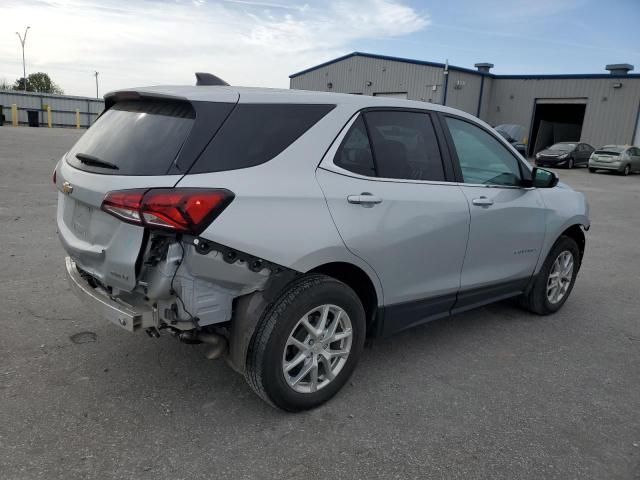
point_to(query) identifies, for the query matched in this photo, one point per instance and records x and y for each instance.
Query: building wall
(610, 114)
(352, 74)
(63, 108)
(420, 82)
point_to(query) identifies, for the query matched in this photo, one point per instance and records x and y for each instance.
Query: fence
(63, 108)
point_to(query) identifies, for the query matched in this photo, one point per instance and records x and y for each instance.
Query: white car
(284, 227)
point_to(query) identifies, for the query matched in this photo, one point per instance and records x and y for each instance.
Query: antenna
(203, 78)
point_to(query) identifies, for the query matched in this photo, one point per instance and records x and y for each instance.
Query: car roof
(274, 95)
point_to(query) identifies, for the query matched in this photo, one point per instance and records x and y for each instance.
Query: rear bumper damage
(117, 311)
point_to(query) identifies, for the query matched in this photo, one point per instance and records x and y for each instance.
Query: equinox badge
(67, 188)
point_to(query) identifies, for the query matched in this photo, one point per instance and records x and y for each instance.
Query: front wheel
(592, 170)
(555, 280)
(307, 345)
(570, 163)
(626, 170)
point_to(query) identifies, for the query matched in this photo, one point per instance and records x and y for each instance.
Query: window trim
(525, 170)
(328, 162)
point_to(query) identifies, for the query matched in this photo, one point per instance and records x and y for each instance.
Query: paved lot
(495, 393)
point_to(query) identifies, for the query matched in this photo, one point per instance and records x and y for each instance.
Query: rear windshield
(256, 133)
(610, 150)
(134, 138)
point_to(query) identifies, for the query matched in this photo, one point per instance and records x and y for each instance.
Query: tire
(592, 170)
(570, 163)
(537, 298)
(626, 170)
(271, 347)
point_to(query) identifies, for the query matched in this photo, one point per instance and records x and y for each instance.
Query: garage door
(391, 94)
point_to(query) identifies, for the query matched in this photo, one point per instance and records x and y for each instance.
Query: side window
(405, 145)
(483, 159)
(256, 133)
(354, 153)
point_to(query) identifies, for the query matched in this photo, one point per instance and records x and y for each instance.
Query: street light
(23, 39)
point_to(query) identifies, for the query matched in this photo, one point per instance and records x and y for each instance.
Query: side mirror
(544, 178)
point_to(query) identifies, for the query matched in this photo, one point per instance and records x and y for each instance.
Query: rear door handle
(482, 202)
(365, 199)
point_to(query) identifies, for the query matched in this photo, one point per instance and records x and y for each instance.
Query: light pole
(23, 39)
(96, 75)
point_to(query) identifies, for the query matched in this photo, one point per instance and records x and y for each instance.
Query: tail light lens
(183, 210)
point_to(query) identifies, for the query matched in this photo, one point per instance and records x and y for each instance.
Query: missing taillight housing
(183, 210)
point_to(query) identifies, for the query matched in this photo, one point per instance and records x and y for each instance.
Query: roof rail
(203, 78)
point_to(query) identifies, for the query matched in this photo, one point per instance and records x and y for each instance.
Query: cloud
(246, 42)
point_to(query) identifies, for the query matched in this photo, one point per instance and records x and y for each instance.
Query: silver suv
(283, 228)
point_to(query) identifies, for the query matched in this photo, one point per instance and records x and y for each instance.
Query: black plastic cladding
(231, 255)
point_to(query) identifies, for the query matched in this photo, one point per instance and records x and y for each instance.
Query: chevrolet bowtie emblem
(67, 188)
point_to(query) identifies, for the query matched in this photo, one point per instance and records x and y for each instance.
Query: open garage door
(556, 120)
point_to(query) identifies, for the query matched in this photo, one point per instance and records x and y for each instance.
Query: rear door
(390, 196)
(137, 143)
(507, 221)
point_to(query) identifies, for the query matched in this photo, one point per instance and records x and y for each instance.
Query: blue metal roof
(461, 69)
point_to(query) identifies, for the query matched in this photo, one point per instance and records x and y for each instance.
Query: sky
(261, 42)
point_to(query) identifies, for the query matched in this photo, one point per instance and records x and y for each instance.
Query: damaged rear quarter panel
(279, 212)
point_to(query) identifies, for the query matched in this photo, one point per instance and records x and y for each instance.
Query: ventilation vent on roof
(203, 78)
(619, 68)
(484, 67)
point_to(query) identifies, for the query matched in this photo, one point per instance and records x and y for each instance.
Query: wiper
(95, 161)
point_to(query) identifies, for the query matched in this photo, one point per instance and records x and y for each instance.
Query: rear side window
(405, 145)
(256, 133)
(134, 138)
(354, 153)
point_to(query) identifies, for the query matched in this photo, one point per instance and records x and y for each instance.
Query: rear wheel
(555, 280)
(307, 344)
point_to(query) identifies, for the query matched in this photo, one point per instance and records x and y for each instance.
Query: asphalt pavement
(494, 393)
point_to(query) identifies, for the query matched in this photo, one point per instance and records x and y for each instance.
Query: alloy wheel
(560, 277)
(317, 348)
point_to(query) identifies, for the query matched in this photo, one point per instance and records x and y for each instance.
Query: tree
(4, 85)
(38, 82)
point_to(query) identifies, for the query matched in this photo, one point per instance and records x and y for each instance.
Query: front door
(507, 221)
(388, 194)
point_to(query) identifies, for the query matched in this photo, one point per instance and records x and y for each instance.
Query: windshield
(134, 138)
(564, 147)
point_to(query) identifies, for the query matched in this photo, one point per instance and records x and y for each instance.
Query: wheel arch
(361, 283)
(576, 233)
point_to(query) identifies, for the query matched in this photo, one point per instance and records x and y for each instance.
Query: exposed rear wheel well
(359, 281)
(575, 232)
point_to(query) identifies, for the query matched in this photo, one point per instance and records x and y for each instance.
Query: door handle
(482, 202)
(365, 199)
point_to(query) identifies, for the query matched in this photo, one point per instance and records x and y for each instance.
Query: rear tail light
(183, 210)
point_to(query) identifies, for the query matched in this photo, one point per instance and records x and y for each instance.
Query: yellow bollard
(49, 115)
(77, 118)
(14, 115)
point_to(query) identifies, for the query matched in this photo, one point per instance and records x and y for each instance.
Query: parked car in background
(284, 227)
(516, 135)
(623, 159)
(565, 154)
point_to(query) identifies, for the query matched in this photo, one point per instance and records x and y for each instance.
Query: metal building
(63, 108)
(593, 108)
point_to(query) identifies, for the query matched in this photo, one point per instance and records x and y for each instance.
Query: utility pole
(23, 39)
(96, 75)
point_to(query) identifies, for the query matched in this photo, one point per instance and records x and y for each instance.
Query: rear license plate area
(81, 219)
